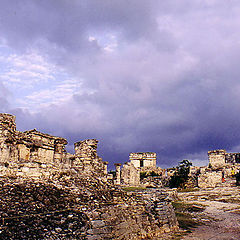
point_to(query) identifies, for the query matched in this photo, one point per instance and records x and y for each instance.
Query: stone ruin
(86, 158)
(36, 154)
(220, 163)
(138, 163)
(129, 175)
(80, 178)
(143, 160)
(220, 158)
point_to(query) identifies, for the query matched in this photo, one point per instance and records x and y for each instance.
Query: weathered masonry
(86, 158)
(219, 158)
(143, 159)
(139, 162)
(30, 145)
(36, 151)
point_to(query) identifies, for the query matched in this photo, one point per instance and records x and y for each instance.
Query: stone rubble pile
(81, 207)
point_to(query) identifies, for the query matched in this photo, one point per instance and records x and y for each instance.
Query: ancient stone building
(221, 164)
(40, 153)
(219, 158)
(30, 145)
(139, 162)
(128, 175)
(46, 148)
(143, 159)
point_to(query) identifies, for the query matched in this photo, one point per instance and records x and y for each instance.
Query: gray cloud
(171, 86)
(4, 98)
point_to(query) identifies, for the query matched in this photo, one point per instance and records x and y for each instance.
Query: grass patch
(230, 200)
(188, 190)
(187, 207)
(186, 222)
(183, 213)
(132, 189)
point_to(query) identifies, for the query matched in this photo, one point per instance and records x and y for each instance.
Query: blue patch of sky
(35, 81)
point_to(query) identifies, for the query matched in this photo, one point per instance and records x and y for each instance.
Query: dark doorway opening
(141, 163)
(237, 158)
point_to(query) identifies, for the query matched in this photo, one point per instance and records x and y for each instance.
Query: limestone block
(217, 158)
(130, 175)
(24, 152)
(209, 179)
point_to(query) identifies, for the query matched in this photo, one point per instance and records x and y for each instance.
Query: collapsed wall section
(82, 207)
(8, 137)
(86, 158)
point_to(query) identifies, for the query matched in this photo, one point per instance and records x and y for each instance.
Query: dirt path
(222, 210)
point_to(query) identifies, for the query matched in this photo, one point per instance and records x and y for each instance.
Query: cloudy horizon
(158, 76)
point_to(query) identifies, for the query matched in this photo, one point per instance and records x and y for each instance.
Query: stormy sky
(138, 75)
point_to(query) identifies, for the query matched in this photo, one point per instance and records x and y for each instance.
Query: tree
(180, 176)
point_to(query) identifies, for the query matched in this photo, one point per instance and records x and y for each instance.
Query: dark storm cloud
(68, 24)
(171, 86)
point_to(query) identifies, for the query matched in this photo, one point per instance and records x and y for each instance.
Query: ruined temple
(141, 162)
(219, 158)
(143, 159)
(37, 154)
(221, 164)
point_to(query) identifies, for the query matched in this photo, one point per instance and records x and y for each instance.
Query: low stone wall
(152, 181)
(31, 169)
(209, 179)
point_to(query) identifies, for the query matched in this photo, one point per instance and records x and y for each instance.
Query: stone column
(59, 150)
(105, 165)
(8, 150)
(118, 173)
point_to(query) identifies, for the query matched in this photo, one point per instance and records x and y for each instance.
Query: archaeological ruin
(38, 164)
(143, 159)
(38, 154)
(222, 166)
(219, 158)
(141, 162)
(49, 193)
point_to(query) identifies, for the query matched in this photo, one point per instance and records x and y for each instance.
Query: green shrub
(180, 176)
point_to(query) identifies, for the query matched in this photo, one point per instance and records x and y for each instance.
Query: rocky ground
(71, 206)
(53, 209)
(220, 215)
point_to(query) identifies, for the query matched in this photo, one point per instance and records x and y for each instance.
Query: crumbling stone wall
(86, 158)
(28, 146)
(130, 175)
(210, 179)
(8, 137)
(219, 158)
(46, 148)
